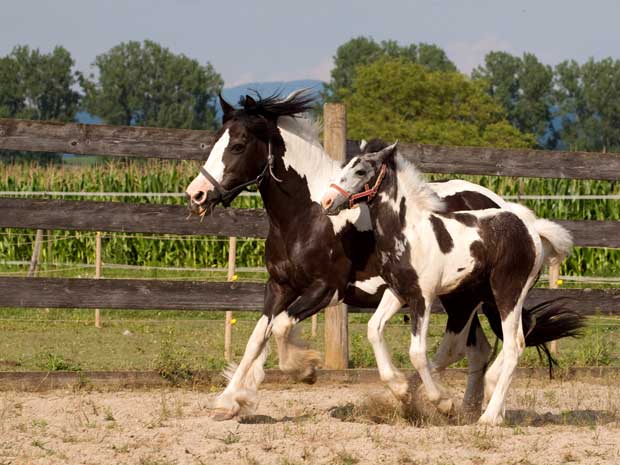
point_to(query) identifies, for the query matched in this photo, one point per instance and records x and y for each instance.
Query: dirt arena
(549, 422)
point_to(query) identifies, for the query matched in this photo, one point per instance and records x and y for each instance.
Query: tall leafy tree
(588, 101)
(364, 50)
(523, 85)
(397, 99)
(40, 86)
(146, 84)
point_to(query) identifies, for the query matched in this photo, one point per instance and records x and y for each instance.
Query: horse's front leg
(239, 397)
(295, 358)
(389, 374)
(421, 312)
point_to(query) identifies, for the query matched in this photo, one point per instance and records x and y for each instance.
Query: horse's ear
(363, 144)
(227, 108)
(249, 102)
(385, 154)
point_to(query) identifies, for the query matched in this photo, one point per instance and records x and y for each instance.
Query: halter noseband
(226, 196)
(369, 192)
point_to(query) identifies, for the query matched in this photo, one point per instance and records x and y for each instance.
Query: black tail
(543, 323)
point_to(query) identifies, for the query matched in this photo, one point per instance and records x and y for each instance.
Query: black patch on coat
(466, 218)
(444, 239)
(468, 200)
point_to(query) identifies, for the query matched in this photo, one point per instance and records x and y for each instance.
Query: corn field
(162, 176)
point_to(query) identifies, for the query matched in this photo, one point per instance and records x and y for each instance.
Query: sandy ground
(548, 423)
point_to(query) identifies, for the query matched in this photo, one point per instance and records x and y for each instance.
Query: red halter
(369, 192)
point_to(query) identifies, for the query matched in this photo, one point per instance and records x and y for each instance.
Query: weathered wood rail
(145, 294)
(173, 219)
(183, 144)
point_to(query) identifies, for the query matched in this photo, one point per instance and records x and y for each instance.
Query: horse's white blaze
(214, 166)
(370, 285)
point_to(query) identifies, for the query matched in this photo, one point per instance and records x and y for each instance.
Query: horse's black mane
(275, 105)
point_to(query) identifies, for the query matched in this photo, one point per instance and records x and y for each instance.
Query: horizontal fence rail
(183, 144)
(141, 294)
(128, 217)
(100, 139)
(172, 219)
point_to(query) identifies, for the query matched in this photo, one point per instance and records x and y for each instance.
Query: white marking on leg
(452, 347)
(370, 285)
(240, 393)
(419, 359)
(389, 305)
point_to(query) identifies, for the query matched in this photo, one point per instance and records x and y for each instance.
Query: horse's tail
(542, 323)
(556, 240)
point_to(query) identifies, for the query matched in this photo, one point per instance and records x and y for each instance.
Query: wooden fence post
(36, 254)
(315, 324)
(232, 259)
(336, 317)
(98, 273)
(554, 275)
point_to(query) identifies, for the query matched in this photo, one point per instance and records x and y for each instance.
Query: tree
(364, 50)
(146, 84)
(587, 99)
(39, 86)
(397, 99)
(523, 85)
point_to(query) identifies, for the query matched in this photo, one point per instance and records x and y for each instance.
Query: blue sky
(282, 40)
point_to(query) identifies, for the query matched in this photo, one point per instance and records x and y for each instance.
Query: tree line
(408, 92)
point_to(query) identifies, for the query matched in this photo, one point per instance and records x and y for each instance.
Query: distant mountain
(232, 94)
(86, 118)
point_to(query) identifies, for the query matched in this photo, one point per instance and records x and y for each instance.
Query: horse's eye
(360, 172)
(237, 148)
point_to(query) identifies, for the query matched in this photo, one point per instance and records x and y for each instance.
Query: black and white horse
(315, 260)
(426, 251)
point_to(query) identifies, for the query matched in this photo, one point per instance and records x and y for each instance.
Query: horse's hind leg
(464, 336)
(239, 397)
(296, 359)
(503, 367)
(389, 374)
(421, 311)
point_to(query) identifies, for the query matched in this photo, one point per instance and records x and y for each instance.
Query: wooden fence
(179, 144)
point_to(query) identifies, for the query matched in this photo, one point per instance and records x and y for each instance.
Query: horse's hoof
(488, 420)
(223, 415)
(310, 378)
(446, 406)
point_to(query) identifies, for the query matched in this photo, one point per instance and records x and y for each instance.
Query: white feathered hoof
(446, 406)
(230, 405)
(490, 420)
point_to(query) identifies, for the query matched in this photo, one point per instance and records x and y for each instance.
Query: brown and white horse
(427, 251)
(315, 260)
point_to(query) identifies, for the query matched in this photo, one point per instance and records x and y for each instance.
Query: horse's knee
(418, 358)
(374, 332)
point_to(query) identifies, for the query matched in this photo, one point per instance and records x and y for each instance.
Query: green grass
(179, 343)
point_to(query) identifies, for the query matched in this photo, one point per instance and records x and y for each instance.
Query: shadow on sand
(268, 420)
(568, 417)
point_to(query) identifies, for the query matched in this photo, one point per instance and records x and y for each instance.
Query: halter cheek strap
(368, 193)
(226, 196)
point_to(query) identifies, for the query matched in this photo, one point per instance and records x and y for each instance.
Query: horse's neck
(405, 194)
(305, 155)
(303, 170)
